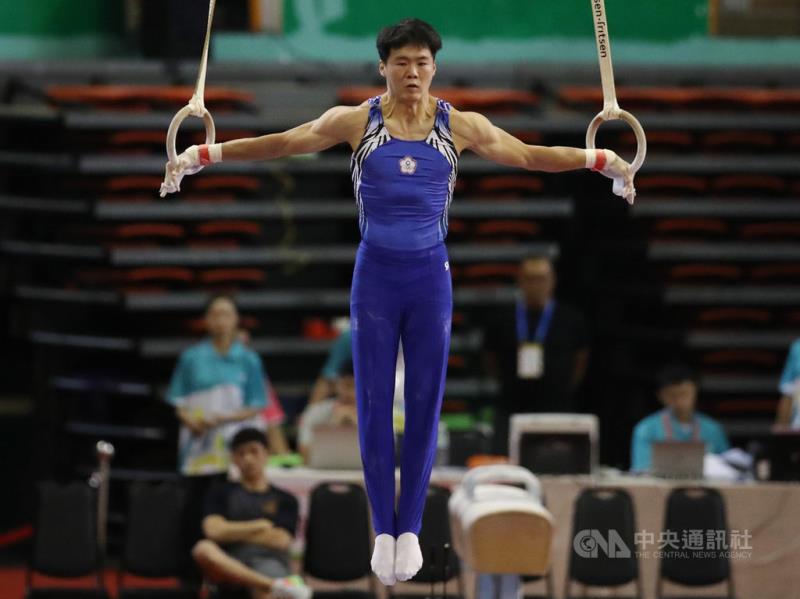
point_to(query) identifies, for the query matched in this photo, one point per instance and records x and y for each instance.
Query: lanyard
(666, 420)
(541, 328)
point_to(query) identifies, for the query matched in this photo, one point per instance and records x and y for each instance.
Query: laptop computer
(677, 459)
(335, 448)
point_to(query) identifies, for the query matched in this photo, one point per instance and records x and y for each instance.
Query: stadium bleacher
(105, 278)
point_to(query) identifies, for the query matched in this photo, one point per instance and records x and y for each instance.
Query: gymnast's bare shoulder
(344, 123)
(469, 129)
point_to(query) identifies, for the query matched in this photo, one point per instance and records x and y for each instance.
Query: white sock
(383, 559)
(408, 556)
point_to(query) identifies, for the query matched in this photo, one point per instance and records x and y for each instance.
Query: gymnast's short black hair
(246, 435)
(674, 374)
(408, 32)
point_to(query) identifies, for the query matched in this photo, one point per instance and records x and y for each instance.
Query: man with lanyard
(538, 350)
(677, 421)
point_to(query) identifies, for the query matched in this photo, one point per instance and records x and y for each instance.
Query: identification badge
(530, 361)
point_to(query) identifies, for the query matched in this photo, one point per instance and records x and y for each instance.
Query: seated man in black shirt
(249, 526)
(538, 349)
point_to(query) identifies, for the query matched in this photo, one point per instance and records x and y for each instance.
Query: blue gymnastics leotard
(401, 290)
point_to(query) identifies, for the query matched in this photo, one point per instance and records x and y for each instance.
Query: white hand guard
(608, 164)
(188, 163)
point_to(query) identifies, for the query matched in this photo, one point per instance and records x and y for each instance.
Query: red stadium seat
(489, 274)
(672, 98)
(455, 361)
(507, 229)
(456, 226)
(229, 183)
(145, 183)
(750, 407)
(233, 276)
(771, 230)
(740, 140)
(735, 358)
(671, 184)
(705, 272)
(144, 96)
(160, 274)
(689, 227)
(742, 184)
(150, 231)
(776, 272)
(136, 138)
(661, 140)
(240, 228)
(735, 316)
(508, 185)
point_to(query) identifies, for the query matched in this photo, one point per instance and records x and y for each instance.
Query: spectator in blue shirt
(340, 352)
(677, 421)
(788, 410)
(218, 382)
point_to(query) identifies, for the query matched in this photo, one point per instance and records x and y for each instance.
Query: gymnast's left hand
(187, 163)
(620, 173)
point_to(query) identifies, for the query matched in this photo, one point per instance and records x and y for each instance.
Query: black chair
(441, 563)
(603, 516)
(465, 444)
(692, 509)
(65, 541)
(153, 541)
(338, 547)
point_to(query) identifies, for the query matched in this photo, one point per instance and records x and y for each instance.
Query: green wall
(61, 17)
(503, 19)
(643, 31)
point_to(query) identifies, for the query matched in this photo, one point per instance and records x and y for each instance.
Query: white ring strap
(611, 110)
(196, 106)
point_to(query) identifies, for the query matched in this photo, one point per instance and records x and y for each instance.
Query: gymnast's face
(408, 72)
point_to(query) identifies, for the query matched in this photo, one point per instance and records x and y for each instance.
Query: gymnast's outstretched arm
(473, 131)
(337, 125)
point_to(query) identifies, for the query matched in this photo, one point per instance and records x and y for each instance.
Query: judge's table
(764, 518)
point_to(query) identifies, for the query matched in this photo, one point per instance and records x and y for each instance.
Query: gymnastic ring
(502, 473)
(641, 140)
(180, 116)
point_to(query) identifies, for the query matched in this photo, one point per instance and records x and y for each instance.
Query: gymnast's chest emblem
(408, 165)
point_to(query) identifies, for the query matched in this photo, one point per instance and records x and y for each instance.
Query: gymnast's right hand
(187, 163)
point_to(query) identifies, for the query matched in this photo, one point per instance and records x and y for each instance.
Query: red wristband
(205, 157)
(600, 161)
